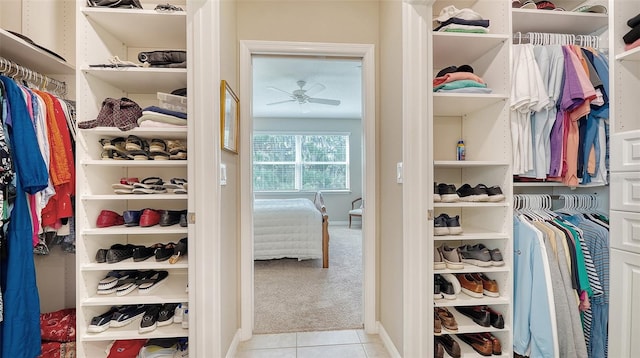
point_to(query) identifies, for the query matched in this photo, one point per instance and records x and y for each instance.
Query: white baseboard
(233, 348)
(386, 340)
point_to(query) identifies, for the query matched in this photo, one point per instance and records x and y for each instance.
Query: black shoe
(127, 315)
(450, 345)
(119, 252)
(141, 253)
(448, 193)
(446, 287)
(165, 316)
(469, 194)
(183, 220)
(436, 193)
(477, 313)
(101, 323)
(495, 194)
(150, 318)
(436, 287)
(496, 318)
(453, 224)
(171, 217)
(440, 227)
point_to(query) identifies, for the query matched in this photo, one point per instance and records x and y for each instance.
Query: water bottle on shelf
(460, 151)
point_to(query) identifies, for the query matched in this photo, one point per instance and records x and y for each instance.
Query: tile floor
(334, 344)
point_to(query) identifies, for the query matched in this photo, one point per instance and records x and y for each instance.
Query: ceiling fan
(304, 96)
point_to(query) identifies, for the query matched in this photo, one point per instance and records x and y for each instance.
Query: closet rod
(13, 70)
(547, 38)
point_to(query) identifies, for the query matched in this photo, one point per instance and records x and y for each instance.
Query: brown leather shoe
(470, 285)
(447, 319)
(495, 342)
(438, 350)
(478, 343)
(489, 286)
(437, 324)
(450, 345)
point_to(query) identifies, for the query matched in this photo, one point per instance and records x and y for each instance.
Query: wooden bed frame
(318, 200)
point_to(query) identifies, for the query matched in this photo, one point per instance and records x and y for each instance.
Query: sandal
(175, 145)
(155, 189)
(158, 145)
(125, 183)
(180, 155)
(134, 143)
(118, 143)
(179, 250)
(139, 154)
(111, 280)
(149, 183)
(165, 251)
(175, 183)
(159, 155)
(151, 280)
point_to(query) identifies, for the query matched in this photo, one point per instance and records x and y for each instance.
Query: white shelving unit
(625, 171)
(482, 121)
(124, 33)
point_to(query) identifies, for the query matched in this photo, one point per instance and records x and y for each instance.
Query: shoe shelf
(171, 290)
(468, 268)
(464, 204)
(125, 230)
(463, 299)
(464, 47)
(164, 133)
(89, 197)
(631, 55)
(579, 23)
(467, 164)
(131, 330)
(467, 352)
(140, 79)
(129, 264)
(467, 325)
(473, 234)
(460, 104)
(140, 28)
(135, 163)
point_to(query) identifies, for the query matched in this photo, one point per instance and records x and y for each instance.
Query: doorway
(249, 49)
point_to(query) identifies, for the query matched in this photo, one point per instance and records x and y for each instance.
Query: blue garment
(599, 334)
(531, 310)
(21, 325)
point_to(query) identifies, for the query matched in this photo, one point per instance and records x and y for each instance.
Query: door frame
(366, 52)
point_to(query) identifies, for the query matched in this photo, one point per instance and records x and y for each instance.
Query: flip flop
(149, 183)
(151, 280)
(175, 183)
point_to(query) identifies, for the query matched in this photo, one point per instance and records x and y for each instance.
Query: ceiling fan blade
(332, 102)
(280, 102)
(279, 90)
(315, 89)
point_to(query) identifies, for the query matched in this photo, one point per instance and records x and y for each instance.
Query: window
(300, 162)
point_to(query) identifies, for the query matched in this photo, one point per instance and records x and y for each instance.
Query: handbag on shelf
(122, 113)
(131, 4)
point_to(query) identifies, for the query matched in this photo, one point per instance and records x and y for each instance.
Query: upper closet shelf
(631, 55)
(142, 79)
(463, 48)
(459, 104)
(562, 22)
(142, 28)
(24, 54)
(467, 163)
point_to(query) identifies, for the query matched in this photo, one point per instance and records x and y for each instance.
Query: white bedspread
(290, 228)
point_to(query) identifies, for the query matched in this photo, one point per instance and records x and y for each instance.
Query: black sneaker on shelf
(448, 193)
(446, 288)
(440, 225)
(453, 224)
(473, 194)
(495, 194)
(436, 193)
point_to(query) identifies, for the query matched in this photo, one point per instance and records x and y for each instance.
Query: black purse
(131, 4)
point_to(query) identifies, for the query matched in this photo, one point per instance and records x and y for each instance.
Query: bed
(291, 228)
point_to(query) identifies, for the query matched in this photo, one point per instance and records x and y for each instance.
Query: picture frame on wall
(229, 118)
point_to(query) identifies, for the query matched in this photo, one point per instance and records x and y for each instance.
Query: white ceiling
(342, 79)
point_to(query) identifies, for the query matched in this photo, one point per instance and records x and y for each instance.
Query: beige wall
(230, 193)
(367, 22)
(390, 152)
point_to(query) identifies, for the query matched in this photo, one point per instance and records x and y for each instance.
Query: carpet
(299, 296)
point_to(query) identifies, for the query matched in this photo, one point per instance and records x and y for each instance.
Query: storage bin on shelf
(172, 102)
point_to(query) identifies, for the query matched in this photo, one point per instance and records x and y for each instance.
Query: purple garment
(572, 94)
(555, 167)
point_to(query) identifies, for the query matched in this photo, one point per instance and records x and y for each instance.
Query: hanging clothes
(21, 325)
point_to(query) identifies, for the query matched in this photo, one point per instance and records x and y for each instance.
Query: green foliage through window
(294, 162)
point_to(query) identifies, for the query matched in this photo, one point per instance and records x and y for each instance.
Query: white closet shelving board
(630, 55)
(472, 268)
(137, 163)
(473, 234)
(124, 230)
(131, 330)
(470, 205)
(463, 299)
(141, 79)
(459, 104)
(134, 197)
(142, 28)
(579, 23)
(460, 48)
(17, 50)
(467, 164)
(148, 264)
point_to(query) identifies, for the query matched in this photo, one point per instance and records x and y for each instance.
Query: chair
(356, 210)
